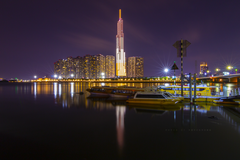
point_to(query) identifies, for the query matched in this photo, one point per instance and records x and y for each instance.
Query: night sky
(36, 33)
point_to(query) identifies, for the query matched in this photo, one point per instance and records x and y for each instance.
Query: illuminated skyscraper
(110, 66)
(135, 67)
(120, 54)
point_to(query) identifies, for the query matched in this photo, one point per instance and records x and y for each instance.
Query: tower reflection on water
(120, 112)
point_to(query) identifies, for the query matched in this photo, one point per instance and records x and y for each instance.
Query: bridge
(223, 78)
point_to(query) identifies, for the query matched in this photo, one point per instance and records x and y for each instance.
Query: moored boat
(158, 98)
(201, 90)
(227, 101)
(114, 91)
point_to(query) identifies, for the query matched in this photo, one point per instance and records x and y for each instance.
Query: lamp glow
(166, 70)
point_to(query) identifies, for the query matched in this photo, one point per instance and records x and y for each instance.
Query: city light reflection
(59, 89)
(72, 89)
(35, 90)
(55, 90)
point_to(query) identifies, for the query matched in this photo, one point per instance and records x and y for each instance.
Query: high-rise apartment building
(139, 67)
(79, 66)
(93, 67)
(120, 54)
(100, 63)
(203, 68)
(60, 68)
(110, 66)
(131, 67)
(87, 66)
(135, 67)
(70, 68)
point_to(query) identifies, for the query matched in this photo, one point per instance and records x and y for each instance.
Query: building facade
(203, 68)
(135, 67)
(60, 68)
(100, 63)
(79, 66)
(110, 66)
(120, 54)
(87, 67)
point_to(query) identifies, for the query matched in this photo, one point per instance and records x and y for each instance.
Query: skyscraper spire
(119, 13)
(120, 54)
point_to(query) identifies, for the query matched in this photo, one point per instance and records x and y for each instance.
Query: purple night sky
(35, 34)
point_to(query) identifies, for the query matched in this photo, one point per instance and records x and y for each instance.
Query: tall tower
(120, 54)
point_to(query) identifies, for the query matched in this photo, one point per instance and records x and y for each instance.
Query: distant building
(110, 66)
(60, 68)
(79, 66)
(100, 64)
(135, 67)
(70, 68)
(87, 66)
(203, 68)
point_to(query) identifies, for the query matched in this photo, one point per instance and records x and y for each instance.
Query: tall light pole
(181, 47)
(174, 67)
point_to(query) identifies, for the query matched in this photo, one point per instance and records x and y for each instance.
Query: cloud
(88, 42)
(192, 35)
(139, 34)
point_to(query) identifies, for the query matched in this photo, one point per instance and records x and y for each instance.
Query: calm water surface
(55, 121)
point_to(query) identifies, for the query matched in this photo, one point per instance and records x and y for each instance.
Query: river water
(54, 121)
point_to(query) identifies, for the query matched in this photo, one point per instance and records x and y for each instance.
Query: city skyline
(95, 67)
(35, 34)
